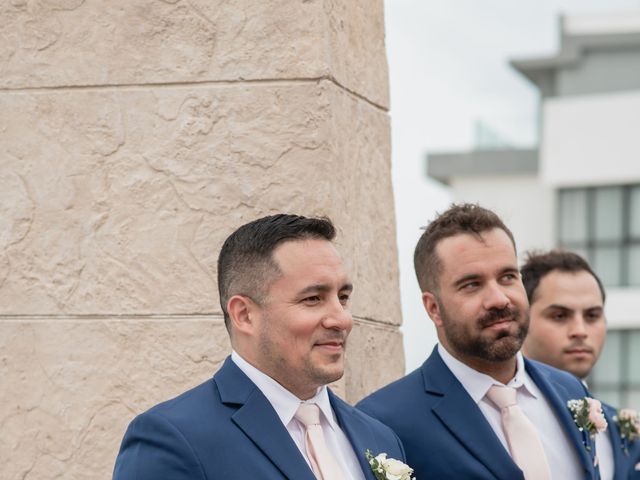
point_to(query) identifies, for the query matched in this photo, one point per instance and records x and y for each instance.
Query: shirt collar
(282, 400)
(477, 384)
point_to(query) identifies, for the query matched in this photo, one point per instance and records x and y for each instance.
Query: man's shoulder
(208, 398)
(342, 407)
(562, 382)
(410, 380)
(394, 397)
(432, 374)
(550, 372)
(187, 403)
(182, 414)
(178, 437)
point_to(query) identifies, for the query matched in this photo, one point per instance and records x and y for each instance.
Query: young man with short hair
(567, 330)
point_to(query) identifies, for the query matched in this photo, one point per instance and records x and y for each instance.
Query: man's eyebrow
(555, 306)
(323, 288)
(597, 308)
(509, 270)
(316, 287)
(348, 287)
(474, 276)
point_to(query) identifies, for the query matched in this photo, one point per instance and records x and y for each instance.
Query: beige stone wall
(135, 135)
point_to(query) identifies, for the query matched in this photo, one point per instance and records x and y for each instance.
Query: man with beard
(476, 409)
(567, 330)
(267, 413)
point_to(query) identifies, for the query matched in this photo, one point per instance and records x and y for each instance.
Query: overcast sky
(448, 69)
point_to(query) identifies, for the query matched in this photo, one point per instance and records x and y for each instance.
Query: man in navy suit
(444, 412)
(285, 297)
(567, 330)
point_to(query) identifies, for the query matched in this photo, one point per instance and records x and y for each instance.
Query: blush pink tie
(323, 463)
(524, 443)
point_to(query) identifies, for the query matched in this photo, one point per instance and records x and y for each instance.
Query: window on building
(603, 225)
(616, 378)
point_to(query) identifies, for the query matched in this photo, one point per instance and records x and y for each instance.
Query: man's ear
(242, 314)
(432, 307)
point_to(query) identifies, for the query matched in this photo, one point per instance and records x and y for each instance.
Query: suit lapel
(258, 420)
(563, 414)
(358, 432)
(465, 420)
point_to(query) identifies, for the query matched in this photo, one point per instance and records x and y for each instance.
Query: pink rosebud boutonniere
(629, 425)
(588, 416)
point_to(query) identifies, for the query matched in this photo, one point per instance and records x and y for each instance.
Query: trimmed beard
(502, 347)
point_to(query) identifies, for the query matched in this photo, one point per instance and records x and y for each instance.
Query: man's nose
(495, 297)
(578, 327)
(338, 316)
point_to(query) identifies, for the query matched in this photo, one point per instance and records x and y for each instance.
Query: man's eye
(344, 298)
(509, 277)
(311, 300)
(594, 316)
(560, 316)
(469, 286)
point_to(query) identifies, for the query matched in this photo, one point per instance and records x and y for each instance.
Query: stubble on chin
(325, 373)
(503, 348)
(506, 344)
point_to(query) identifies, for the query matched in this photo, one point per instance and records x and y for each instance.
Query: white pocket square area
(637, 467)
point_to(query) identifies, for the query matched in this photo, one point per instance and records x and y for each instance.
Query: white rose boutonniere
(388, 468)
(588, 416)
(629, 425)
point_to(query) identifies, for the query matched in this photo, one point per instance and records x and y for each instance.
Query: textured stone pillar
(135, 135)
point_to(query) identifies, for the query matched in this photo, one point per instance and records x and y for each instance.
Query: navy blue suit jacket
(227, 429)
(445, 434)
(625, 462)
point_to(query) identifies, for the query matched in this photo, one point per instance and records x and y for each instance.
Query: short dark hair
(458, 219)
(539, 264)
(246, 265)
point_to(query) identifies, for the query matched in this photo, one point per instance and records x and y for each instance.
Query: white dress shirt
(286, 404)
(561, 455)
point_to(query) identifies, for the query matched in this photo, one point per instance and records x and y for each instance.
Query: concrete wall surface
(134, 137)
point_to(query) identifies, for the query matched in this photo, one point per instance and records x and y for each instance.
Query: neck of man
(502, 371)
(303, 392)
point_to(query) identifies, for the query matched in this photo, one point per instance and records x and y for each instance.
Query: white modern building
(580, 189)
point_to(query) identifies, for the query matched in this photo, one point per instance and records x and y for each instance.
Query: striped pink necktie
(524, 443)
(323, 463)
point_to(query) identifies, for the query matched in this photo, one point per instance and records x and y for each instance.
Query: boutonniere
(629, 426)
(388, 468)
(588, 416)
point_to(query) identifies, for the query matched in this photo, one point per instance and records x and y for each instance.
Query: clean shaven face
(568, 326)
(305, 320)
